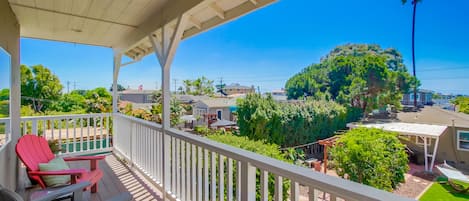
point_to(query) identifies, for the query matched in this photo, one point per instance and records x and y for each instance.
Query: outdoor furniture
(33, 150)
(75, 192)
(454, 174)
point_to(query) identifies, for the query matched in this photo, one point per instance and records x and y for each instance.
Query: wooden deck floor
(119, 178)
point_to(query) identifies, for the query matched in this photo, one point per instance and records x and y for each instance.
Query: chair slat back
(32, 150)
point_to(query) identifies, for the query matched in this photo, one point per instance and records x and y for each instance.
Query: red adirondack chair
(33, 150)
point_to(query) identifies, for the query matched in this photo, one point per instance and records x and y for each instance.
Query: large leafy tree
(371, 156)
(39, 87)
(73, 101)
(199, 86)
(363, 76)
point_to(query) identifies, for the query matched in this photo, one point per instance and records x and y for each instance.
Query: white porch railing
(189, 167)
(74, 134)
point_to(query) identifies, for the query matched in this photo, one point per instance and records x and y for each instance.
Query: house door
(219, 114)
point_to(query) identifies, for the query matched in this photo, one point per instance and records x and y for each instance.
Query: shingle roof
(219, 102)
(435, 115)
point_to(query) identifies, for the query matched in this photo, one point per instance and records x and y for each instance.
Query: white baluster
(264, 185)
(294, 191)
(248, 182)
(206, 176)
(221, 180)
(229, 177)
(213, 176)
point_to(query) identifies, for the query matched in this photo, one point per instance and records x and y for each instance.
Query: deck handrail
(334, 186)
(75, 133)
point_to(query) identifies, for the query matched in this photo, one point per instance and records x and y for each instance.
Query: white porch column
(435, 149)
(425, 149)
(165, 48)
(115, 77)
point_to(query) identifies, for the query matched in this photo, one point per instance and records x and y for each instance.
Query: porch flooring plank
(119, 178)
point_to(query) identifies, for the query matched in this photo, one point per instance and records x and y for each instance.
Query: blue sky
(270, 45)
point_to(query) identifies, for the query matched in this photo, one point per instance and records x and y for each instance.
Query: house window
(463, 140)
(219, 114)
(411, 97)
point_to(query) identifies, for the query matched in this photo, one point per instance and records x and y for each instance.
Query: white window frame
(459, 140)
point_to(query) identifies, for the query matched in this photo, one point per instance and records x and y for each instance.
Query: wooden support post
(115, 77)
(164, 52)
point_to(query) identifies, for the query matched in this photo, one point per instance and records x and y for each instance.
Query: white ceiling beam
(195, 22)
(72, 15)
(229, 15)
(172, 10)
(218, 10)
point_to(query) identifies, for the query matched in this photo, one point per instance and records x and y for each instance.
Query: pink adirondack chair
(33, 150)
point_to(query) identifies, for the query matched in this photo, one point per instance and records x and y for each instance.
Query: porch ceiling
(123, 24)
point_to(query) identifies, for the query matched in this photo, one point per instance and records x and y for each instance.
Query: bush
(371, 156)
(259, 147)
(289, 124)
(462, 103)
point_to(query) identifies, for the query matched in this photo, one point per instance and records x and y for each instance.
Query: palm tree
(414, 3)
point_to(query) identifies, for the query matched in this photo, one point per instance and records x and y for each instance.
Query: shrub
(371, 156)
(289, 124)
(259, 147)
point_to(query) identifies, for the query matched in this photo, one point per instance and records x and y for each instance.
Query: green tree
(371, 156)
(199, 86)
(98, 100)
(4, 94)
(358, 75)
(462, 104)
(39, 87)
(70, 102)
(119, 88)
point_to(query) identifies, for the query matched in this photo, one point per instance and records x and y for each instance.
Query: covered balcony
(152, 161)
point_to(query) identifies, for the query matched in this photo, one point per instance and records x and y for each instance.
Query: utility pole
(68, 87)
(175, 83)
(74, 85)
(156, 85)
(259, 89)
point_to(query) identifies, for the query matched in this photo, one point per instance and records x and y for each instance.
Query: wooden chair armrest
(82, 158)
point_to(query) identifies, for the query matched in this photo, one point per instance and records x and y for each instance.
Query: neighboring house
(189, 99)
(236, 88)
(223, 108)
(137, 96)
(453, 145)
(279, 95)
(424, 97)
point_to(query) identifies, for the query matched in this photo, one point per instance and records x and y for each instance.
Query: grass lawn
(443, 192)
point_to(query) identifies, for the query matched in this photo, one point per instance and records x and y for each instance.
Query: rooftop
(436, 116)
(406, 128)
(219, 102)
